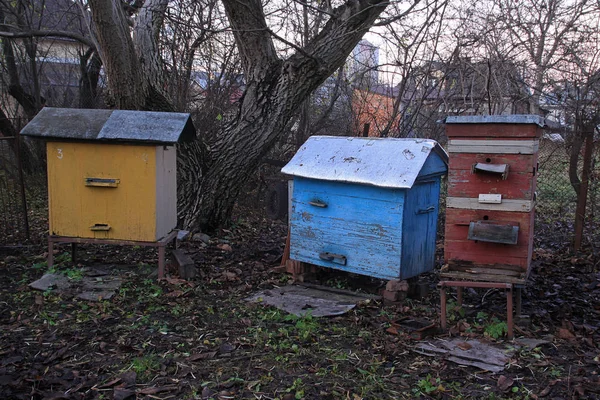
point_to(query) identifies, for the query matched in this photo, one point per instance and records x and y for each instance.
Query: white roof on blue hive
(383, 162)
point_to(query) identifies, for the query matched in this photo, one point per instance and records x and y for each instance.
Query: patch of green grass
(234, 380)
(63, 258)
(271, 315)
(161, 327)
(143, 366)
(429, 386)
(58, 267)
(306, 326)
(40, 265)
(492, 327)
(496, 328)
(372, 378)
(297, 388)
(556, 372)
(59, 260)
(75, 274)
(454, 311)
(178, 310)
(337, 283)
(150, 288)
(283, 336)
(144, 291)
(48, 318)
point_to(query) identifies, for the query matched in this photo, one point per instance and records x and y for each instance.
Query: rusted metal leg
(459, 295)
(443, 307)
(161, 261)
(509, 312)
(74, 253)
(50, 253)
(518, 299)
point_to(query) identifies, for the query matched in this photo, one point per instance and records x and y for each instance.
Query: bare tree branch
(44, 33)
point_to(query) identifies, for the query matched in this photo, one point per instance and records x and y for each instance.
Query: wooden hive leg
(161, 261)
(74, 253)
(300, 271)
(50, 253)
(459, 295)
(509, 312)
(443, 307)
(518, 301)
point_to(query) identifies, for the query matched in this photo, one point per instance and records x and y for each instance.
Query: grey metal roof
(497, 119)
(111, 125)
(383, 162)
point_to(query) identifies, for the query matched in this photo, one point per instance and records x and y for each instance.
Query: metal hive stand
(161, 244)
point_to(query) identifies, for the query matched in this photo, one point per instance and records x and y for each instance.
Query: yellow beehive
(111, 174)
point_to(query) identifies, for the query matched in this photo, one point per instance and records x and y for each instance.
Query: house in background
(436, 90)
(431, 92)
(465, 87)
(374, 111)
(54, 72)
(59, 58)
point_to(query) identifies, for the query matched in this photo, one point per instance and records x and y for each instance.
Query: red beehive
(491, 197)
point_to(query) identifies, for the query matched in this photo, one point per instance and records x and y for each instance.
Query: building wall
(362, 63)
(374, 109)
(57, 70)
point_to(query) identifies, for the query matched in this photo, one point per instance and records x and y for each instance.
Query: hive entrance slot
(499, 169)
(100, 227)
(332, 257)
(494, 231)
(102, 182)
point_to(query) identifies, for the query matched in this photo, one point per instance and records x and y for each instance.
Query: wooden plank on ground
(185, 263)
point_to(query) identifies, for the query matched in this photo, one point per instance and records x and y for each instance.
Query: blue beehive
(366, 205)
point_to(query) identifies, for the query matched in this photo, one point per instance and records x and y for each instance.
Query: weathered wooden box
(111, 174)
(491, 196)
(366, 205)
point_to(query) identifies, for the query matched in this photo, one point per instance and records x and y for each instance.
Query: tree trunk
(274, 92)
(212, 175)
(125, 80)
(583, 187)
(6, 127)
(90, 66)
(15, 89)
(575, 154)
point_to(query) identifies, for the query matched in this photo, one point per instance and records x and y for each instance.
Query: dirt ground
(199, 339)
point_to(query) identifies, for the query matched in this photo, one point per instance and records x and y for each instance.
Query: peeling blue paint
(383, 232)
